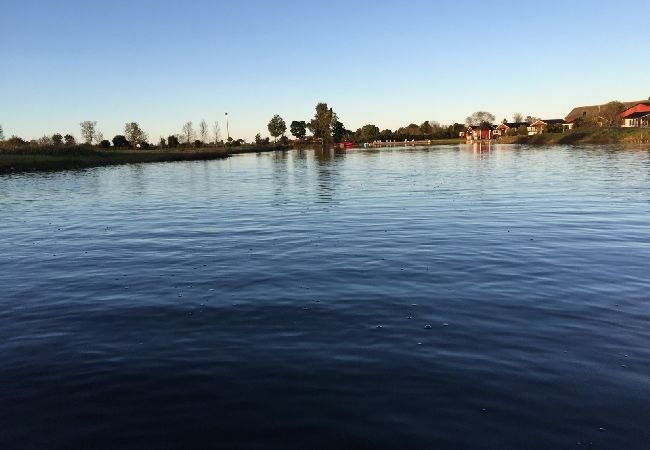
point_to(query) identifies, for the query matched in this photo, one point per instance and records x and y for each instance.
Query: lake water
(444, 297)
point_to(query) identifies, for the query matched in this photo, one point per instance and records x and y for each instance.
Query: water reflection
(327, 167)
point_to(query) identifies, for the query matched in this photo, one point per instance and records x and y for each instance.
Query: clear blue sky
(389, 63)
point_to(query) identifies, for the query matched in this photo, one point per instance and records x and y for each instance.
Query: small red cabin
(479, 133)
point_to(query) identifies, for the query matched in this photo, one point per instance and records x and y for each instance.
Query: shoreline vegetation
(55, 158)
(578, 137)
(62, 152)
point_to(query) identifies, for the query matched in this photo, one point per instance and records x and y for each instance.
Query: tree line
(133, 137)
(325, 128)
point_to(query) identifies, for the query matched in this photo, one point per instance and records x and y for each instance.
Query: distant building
(539, 126)
(503, 127)
(594, 111)
(637, 116)
(480, 133)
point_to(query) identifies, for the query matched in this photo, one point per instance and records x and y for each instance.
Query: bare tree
(216, 130)
(611, 113)
(479, 118)
(2, 134)
(188, 133)
(99, 137)
(88, 131)
(45, 140)
(203, 131)
(517, 117)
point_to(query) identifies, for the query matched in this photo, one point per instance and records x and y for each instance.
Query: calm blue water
(439, 297)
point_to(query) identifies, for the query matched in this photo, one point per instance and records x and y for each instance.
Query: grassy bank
(51, 159)
(598, 136)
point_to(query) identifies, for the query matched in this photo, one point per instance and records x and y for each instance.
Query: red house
(479, 133)
(637, 116)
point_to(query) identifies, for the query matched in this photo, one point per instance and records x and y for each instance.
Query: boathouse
(480, 132)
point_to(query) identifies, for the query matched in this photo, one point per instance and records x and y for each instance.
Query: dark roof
(481, 127)
(516, 124)
(595, 109)
(636, 115)
(553, 121)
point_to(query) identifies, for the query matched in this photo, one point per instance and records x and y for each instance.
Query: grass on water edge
(576, 137)
(52, 159)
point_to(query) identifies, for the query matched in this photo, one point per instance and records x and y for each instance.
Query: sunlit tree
(277, 127)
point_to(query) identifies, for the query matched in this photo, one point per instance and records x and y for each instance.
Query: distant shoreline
(82, 157)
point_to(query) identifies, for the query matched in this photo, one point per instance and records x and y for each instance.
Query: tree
(69, 139)
(426, 128)
(188, 133)
(480, 118)
(410, 132)
(299, 129)
(261, 141)
(88, 131)
(517, 117)
(368, 133)
(45, 140)
(611, 113)
(339, 132)
(134, 134)
(99, 137)
(2, 134)
(277, 127)
(57, 139)
(530, 119)
(172, 141)
(216, 130)
(105, 143)
(322, 123)
(203, 131)
(120, 141)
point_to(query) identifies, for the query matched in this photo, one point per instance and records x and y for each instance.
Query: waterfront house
(539, 126)
(479, 132)
(594, 111)
(503, 127)
(638, 116)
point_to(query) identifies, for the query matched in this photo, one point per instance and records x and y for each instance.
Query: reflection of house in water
(482, 146)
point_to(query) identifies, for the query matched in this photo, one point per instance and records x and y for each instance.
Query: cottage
(479, 132)
(638, 116)
(539, 126)
(503, 127)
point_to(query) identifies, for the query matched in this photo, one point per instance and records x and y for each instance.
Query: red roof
(641, 107)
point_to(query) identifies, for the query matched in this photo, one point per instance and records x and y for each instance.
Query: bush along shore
(584, 136)
(52, 158)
